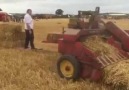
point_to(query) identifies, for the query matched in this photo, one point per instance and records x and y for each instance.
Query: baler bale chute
(78, 59)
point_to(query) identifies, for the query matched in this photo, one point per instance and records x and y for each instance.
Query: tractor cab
(86, 20)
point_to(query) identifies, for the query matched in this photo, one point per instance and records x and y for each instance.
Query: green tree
(59, 12)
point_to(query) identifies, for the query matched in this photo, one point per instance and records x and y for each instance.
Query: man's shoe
(33, 48)
(26, 47)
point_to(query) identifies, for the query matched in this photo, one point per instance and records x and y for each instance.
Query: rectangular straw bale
(11, 35)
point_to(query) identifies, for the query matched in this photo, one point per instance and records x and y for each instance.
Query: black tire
(73, 61)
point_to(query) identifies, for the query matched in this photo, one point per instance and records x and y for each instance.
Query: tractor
(3, 16)
(84, 19)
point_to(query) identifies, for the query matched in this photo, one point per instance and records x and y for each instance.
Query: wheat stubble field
(36, 70)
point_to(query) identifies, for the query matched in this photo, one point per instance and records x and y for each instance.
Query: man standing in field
(29, 29)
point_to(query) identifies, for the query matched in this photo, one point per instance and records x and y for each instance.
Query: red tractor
(78, 61)
(3, 16)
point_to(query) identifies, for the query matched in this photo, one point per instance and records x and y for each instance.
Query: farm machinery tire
(68, 67)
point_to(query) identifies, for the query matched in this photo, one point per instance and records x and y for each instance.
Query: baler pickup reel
(120, 36)
(106, 60)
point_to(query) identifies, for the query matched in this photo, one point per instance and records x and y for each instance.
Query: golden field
(36, 70)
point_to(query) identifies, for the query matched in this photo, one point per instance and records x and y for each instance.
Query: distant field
(122, 23)
(36, 70)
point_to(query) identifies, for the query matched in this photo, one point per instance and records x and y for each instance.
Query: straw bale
(98, 45)
(11, 35)
(115, 75)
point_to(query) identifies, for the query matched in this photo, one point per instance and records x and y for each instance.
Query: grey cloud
(69, 6)
(10, 1)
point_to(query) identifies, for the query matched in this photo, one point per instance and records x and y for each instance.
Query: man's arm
(27, 22)
(28, 26)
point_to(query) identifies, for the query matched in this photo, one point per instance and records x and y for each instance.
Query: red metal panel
(86, 71)
(127, 31)
(112, 42)
(75, 48)
(71, 38)
(91, 73)
(121, 35)
(66, 47)
(96, 75)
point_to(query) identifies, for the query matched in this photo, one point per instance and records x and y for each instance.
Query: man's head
(29, 11)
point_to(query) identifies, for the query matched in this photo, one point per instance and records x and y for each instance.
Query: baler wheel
(68, 67)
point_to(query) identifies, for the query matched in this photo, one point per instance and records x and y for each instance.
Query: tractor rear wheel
(68, 67)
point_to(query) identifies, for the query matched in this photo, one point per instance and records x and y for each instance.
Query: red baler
(78, 61)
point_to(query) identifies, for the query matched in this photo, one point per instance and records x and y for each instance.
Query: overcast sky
(69, 6)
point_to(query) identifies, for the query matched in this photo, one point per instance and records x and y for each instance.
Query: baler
(76, 60)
